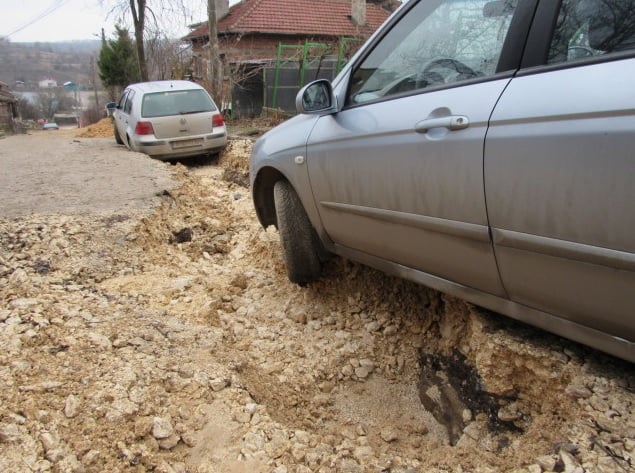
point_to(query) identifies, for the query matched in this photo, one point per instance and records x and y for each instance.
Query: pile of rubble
(169, 340)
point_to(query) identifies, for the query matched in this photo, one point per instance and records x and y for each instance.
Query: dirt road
(153, 329)
(54, 172)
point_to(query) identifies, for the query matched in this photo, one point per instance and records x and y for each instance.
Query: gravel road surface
(147, 325)
(52, 172)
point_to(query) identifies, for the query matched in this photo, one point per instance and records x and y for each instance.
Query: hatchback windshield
(179, 102)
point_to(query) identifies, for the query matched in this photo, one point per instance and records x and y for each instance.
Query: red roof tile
(305, 17)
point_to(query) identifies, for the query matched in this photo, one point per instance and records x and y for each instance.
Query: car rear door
(560, 167)
(398, 173)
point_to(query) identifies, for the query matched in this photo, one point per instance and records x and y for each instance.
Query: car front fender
(281, 154)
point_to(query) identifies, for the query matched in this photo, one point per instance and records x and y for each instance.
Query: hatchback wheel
(301, 246)
(117, 137)
(130, 145)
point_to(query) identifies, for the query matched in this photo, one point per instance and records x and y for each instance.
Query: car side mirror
(316, 97)
(110, 108)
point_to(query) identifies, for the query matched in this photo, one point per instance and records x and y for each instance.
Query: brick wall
(258, 50)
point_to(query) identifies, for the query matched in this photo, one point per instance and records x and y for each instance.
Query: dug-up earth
(166, 338)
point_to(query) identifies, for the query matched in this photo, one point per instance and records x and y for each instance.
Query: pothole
(451, 389)
(380, 404)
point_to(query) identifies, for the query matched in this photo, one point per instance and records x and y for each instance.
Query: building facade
(262, 43)
(8, 108)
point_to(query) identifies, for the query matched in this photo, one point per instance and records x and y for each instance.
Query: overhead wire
(56, 5)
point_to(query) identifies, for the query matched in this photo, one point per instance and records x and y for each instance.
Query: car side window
(122, 99)
(435, 43)
(128, 105)
(587, 28)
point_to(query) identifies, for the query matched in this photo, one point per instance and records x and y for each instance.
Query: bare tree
(140, 11)
(137, 10)
(165, 58)
(390, 5)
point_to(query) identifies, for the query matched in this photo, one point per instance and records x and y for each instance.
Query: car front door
(560, 168)
(398, 173)
(122, 114)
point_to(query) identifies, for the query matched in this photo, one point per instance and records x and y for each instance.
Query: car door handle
(451, 122)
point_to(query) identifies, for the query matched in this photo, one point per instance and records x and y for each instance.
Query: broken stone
(71, 406)
(388, 435)
(161, 428)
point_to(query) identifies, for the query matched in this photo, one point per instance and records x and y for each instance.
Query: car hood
(294, 126)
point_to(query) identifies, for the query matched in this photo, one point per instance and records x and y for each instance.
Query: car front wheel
(301, 246)
(117, 136)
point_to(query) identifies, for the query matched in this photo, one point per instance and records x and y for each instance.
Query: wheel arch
(262, 195)
(262, 192)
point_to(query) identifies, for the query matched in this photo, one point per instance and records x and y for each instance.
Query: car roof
(165, 85)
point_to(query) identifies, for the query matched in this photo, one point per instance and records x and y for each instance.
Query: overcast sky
(63, 20)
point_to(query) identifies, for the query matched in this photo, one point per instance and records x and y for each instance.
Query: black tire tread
(301, 246)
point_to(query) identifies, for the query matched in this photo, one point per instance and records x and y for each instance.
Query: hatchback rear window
(178, 102)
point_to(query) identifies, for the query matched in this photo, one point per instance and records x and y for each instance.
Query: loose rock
(125, 349)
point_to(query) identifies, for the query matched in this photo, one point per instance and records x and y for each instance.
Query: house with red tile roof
(254, 25)
(255, 35)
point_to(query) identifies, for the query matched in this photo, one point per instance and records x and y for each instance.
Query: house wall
(8, 108)
(47, 84)
(254, 86)
(238, 49)
(252, 47)
(244, 86)
(257, 46)
(6, 116)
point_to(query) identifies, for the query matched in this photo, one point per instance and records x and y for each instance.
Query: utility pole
(214, 66)
(93, 70)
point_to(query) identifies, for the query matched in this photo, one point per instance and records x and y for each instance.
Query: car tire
(117, 137)
(301, 247)
(130, 145)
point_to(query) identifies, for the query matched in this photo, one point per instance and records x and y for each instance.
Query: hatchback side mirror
(316, 98)
(110, 108)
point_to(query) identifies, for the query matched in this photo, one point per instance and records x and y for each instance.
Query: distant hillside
(61, 62)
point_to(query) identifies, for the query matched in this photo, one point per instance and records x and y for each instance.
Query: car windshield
(437, 43)
(179, 102)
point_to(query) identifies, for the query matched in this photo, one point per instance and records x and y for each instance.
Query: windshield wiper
(193, 111)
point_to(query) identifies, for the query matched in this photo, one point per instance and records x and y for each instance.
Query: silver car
(169, 119)
(482, 148)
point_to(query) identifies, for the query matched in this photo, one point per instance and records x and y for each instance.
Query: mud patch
(453, 392)
(237, 177)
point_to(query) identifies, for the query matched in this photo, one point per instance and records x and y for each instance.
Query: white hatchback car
(169, 119)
